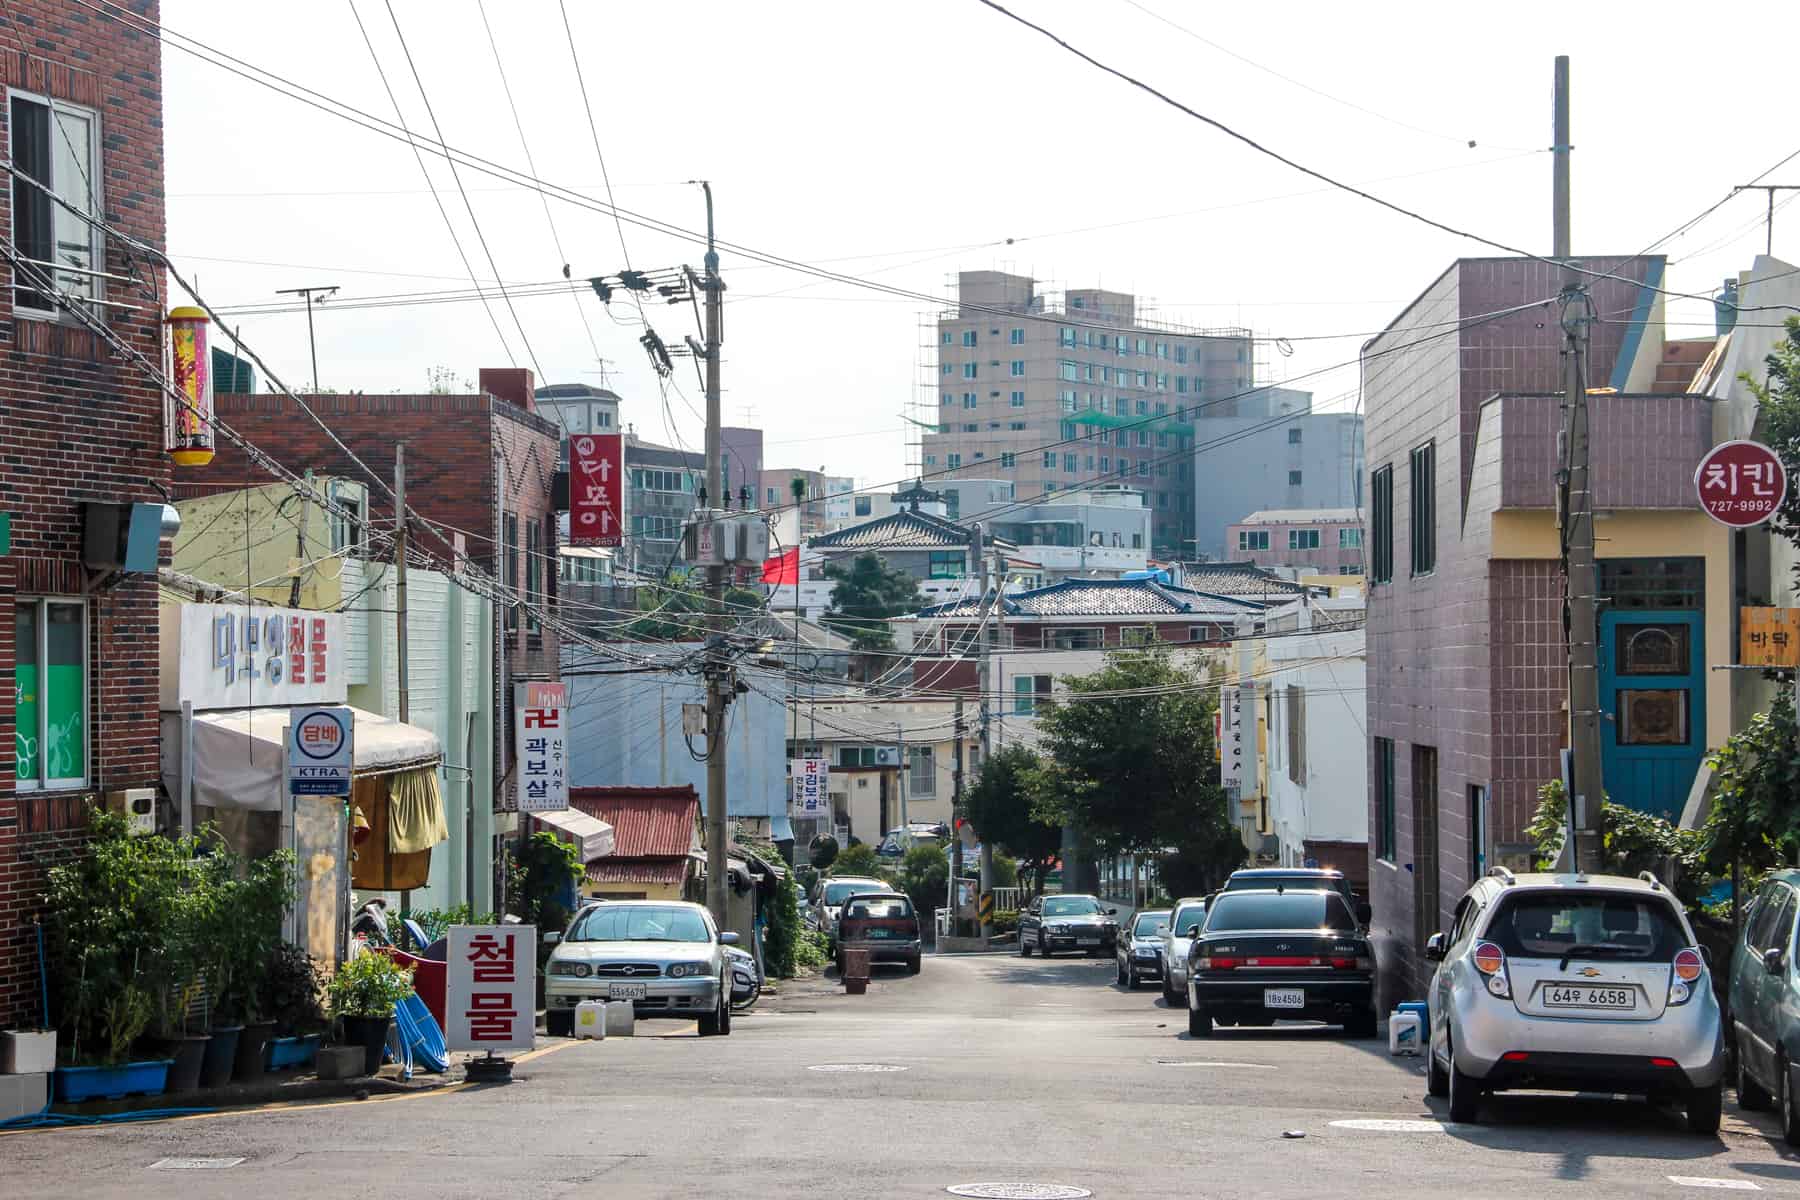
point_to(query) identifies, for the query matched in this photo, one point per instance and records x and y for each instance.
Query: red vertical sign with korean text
(596, 488)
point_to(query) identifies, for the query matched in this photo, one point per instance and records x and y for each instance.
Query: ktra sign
(321, 751)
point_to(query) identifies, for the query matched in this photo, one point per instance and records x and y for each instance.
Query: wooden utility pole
(1581, 583)
(400, 579)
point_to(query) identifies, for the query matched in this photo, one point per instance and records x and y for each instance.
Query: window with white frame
(1017, 400)
(1303, 539)
(968, 371)
(1253, 539)
(50, 693)
(56, 145)
(1349, 539)
(1028, 691)
(922, 778)
(1018, 368)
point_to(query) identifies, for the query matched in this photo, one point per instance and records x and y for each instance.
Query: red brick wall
(76, 425)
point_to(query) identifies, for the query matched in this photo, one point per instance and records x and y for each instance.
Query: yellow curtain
(415, 812)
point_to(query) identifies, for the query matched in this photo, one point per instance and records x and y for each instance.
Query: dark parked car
(1140, 950)
(1765, 1004)
(1053, 923)
(1266, 956)
(883, 923)
(1300, 877)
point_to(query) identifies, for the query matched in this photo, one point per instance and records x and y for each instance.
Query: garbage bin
(856, 971)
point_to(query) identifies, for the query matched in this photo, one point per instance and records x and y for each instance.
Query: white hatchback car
(1573, 983)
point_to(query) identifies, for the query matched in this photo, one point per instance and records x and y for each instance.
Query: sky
(901, 143)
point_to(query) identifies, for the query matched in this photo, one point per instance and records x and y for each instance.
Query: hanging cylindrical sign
(190, 419)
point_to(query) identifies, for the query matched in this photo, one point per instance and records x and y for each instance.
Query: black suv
(1055, 923)
(1277, 954)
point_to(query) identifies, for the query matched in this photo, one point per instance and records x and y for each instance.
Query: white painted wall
(1331, 804)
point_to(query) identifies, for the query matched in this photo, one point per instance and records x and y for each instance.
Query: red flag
(783, 569)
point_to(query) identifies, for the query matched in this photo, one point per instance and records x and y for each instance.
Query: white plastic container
(621, 1018)
(27, 1051)
(590, 1019)
(1403, 1033)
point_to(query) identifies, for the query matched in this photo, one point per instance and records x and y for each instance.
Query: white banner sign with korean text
(490, 990)
(1231, 742)
(234, 656)
(541, 721)
(808, 782)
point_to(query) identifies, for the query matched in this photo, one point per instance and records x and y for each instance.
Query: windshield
(1280, 910)
(1149, 924)
(837, 893)
(886, 908)
(1186, 918)
(1586, 925)
(1071, 906)
(633, 923)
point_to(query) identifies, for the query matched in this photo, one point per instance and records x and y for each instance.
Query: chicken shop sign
(1740, 484)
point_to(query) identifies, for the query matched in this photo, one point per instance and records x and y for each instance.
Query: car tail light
(1220, 963)
(1666, 1063)
(1361, 962)
(1688, 964)
(1490, 960)
(1515, 1056)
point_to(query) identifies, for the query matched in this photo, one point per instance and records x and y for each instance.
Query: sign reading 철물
(321, 751)
(596, 486)
(1769, 637)
(1740, 484)
(490, 987)
(541, 735)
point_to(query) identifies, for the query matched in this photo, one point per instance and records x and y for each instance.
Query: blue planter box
(293, 1051)
(74, 1084)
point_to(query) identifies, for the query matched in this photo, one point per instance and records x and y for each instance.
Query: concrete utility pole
(311, 344)
(1583, 850)
(400, 580)
(719, 676)
(990, 639)
(956, 809)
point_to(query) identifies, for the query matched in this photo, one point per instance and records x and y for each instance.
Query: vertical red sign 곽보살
(596, 488)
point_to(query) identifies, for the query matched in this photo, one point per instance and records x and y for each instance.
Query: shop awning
(591, 834)
(239, 762)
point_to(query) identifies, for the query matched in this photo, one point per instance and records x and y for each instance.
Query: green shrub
(811, 950)
(859, 859)
(1006, 920)
(925, 876)
(784, 929)
(369, 985)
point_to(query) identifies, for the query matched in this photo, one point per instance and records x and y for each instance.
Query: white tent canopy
(239, 759)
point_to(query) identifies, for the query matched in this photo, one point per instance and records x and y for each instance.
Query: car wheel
(724, 1008)
(1169, 996)
(1200, 1023)
(1361, 1025)
(559, 1024)
(1131, 979)
(1752, 1096)
(1703, 1106)
(1044, 947)
(709, 1024)
(1024, 947)
(912, 965)
(1437, 1080)
(1465, 1092)
(1790, 1103)
(1120, 973)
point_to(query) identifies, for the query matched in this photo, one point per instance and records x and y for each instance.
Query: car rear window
(1585, 925)
(881, 910)
(1185, 916)
(1281, 910)
(837, 893)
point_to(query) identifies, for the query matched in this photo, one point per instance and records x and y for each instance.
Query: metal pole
(989, 638)
(299, 544)
(1578, 529)
(312, 344)
(956, 807)
(400, 580)
(718, 669)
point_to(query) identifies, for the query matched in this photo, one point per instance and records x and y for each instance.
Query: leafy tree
(924, 876)
(859, 859)
(784, 928)
(1755, 816)
(1778, 416)
(1134, 767)
(1634, 841)
(671, 614)
(741, 602)
(866, 593)
(1003, 804)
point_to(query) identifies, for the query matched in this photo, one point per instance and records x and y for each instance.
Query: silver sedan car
(1190, 915)
(1573, 983)
(665, 956)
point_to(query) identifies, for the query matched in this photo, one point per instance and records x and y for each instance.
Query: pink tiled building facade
(1318, 540)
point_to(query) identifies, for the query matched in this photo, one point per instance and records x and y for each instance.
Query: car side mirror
(1364, 913)
(1435, 945)
(551, 937)
(1773, 958)
(728, 938)
(1112, 912)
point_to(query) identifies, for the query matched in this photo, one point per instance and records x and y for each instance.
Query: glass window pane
(1653, 717)
(65, 745)
(1651, 649)
(71, 148)
(25, 692)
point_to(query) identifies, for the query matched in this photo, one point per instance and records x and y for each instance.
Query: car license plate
(881, 933)
(1284, 997)
(627, 991)
(1569, 995)
(1087, 941)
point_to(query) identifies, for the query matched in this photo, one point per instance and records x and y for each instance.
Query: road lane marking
(194, 1164)
(848, 1068)
(1391, 1125)
(1193, 1062)
(1702, 1181)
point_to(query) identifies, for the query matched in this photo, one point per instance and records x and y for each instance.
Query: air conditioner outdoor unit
(887, 756)
(137, 806)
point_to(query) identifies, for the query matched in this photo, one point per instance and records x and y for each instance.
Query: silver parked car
(1573, 983)
(665, 956)
(1190, 915)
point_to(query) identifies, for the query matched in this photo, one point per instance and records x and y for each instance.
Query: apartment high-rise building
(1060, 390)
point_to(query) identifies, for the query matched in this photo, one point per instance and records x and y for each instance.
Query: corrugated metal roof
(641, 870)
(647, 822)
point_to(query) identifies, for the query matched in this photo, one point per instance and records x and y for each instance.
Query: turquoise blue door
(1653, 696)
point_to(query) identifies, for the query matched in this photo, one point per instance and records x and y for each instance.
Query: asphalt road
(1014, 1070)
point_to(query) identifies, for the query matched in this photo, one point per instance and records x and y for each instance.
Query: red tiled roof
(647, 822)
(639, 870)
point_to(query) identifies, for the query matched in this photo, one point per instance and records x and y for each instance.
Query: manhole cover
(847, 1068)
(1191, 1062)
(1391, 1125)
(194, 1164)
(1020, 1191)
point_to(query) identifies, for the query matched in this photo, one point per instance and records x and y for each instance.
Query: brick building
(76, 424)
(478, 466)
(1466, 659)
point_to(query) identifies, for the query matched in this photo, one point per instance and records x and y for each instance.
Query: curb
(253, 1095)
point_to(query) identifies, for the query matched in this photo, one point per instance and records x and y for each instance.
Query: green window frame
(50, 690)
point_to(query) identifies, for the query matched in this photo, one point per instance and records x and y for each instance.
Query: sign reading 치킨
(1740, 484)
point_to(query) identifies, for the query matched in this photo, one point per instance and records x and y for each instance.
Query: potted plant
(262, 901)
(363, 995)
(294, 991)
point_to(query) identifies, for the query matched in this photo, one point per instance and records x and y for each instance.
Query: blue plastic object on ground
(1420, 1007)
(420, 1034)
(417, 933)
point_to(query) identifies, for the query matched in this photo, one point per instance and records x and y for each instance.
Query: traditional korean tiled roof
(907, 529)
(1239, 579)
(1104, 598)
